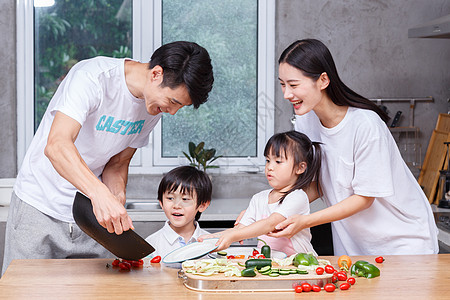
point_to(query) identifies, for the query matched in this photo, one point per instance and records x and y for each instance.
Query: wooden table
(402, 277)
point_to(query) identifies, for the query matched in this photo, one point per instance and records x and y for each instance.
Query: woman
(374, 202)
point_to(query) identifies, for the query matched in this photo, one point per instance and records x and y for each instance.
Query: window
(239, 35)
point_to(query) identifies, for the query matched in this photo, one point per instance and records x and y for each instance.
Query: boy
(183, 193)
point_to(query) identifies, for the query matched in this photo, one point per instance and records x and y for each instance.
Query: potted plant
(200, 157)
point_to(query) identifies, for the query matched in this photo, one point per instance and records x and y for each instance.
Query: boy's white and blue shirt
(167, 240)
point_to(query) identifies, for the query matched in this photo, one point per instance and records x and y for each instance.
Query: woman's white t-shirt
(295, 202)
(95, 94)
(361, 157)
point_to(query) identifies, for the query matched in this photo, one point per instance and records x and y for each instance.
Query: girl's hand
(209, 236)
(289, 227)
(238, 219)
(226, 240)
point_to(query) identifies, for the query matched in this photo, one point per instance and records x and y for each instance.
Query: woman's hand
(289, 227)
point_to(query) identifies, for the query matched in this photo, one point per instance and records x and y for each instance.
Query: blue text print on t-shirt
(119, 126)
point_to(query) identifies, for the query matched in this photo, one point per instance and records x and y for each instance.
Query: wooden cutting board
(220, 282)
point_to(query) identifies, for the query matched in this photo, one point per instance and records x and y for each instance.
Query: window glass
(228, 121)
(66, 32)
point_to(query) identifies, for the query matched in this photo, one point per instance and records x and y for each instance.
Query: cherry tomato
(319, 271)
(329, 287)
(261, 256)
(255, 252)
(115, 263)
(156, 259)
(298, 289)
(379, 259)
(125, 266)
(334, 278)
(137, 263)
(341, 276)
(344, 286)
(306, 287)
(316, 288)
(230, 257)
(351, 280)
(329, 269)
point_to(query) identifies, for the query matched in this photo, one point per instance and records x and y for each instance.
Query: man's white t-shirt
(295, 202)
(95, 94)
(361, 157)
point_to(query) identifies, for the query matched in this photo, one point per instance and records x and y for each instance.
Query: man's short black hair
(185, 63)
(190, 180)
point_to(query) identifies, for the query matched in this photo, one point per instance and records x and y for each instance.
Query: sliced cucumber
(222, 253)
(284, 272)
(275, 270)
(265, 269)
(274, 274)
(293, 271)
(267, 272)
(302, 271)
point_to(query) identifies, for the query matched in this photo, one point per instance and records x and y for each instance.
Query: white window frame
(146, 38)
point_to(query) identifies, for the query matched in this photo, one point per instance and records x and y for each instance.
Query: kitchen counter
(402, 277)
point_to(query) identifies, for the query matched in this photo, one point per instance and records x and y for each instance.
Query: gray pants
(30, 234)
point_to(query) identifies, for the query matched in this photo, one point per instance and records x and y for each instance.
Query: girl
(375, 203)
(292, 163)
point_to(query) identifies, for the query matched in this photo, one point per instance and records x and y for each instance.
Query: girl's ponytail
(316, 163)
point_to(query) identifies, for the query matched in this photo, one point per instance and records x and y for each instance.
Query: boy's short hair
(185, 63)
(190, 180)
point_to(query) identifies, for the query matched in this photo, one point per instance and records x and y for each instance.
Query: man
(103, 110)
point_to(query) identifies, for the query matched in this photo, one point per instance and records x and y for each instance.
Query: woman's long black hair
(313, 58)
(298, 146)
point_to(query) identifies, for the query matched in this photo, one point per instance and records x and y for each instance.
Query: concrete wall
(373, 54)
(8, 131)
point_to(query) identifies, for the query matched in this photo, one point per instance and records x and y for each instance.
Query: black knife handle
(396, 119)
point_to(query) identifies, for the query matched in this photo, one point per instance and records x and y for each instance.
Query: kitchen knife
(396, 119)
(128, 245)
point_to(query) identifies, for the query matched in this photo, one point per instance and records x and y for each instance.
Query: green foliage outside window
(73, 30)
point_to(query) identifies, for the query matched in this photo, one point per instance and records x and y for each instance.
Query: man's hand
(111, 213)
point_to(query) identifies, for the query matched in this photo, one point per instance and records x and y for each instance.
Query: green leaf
(199, 148)
(187, 156)
(192, 149)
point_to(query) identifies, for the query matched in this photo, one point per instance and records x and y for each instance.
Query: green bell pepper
(362, 268)
(305, 259)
